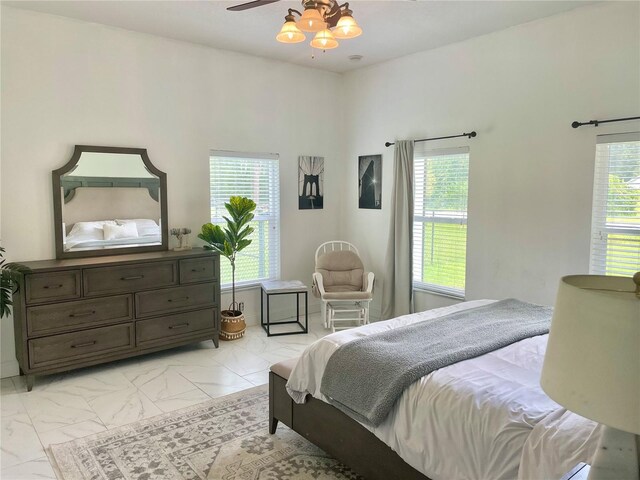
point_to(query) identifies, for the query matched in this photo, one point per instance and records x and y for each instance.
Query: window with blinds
(440, 220)
(615, 224)
(255, 176)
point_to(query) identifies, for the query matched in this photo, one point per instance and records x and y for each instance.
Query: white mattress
(483, 418)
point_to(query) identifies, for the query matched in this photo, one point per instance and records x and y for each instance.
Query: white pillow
(91, 230)
(146, 227)
(114, 232)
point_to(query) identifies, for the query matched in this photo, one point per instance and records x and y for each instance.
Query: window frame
(600, 228)
(271, 220)
(457, 218)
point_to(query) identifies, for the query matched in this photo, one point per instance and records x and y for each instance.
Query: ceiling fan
(319, 17)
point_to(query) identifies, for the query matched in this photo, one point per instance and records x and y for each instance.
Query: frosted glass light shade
(347, 28)
(324, 40)
(592, 362)
(311, 21)
(290, 33)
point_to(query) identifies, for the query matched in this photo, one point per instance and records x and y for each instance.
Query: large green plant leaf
(244, 234)
(214, 237)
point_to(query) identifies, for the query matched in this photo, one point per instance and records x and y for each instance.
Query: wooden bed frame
(337, 434)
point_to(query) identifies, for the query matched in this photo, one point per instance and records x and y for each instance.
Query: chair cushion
(348, 296)
(283, 369)
(341, 271)
(340, 260)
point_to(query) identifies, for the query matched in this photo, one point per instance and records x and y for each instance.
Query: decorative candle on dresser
(74, 313)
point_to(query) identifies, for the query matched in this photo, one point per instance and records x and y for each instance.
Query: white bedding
(79, 244)
(483, 418)
(112, 234)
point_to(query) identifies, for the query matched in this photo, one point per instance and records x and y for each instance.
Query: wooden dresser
(80, 312)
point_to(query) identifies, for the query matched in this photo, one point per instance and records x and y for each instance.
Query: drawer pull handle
(134, 277)
(198, 269)
(82, 314)
(181, 299)
(180, 325)
(80, 345)
(53, 286)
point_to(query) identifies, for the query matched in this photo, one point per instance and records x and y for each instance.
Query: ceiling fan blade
(254, 4)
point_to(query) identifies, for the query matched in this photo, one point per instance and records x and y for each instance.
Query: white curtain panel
(397, 294)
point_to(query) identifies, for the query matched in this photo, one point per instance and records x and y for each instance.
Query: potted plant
(9, 274)
(228, 242)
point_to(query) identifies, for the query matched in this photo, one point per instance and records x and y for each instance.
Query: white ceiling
(391, 28)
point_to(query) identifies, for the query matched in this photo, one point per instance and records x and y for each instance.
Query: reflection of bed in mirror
(110, 216)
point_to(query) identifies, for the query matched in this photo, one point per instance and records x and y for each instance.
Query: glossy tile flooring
(79, 403)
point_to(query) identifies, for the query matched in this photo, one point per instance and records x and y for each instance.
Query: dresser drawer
(61, 317)
(71, 347)
(176, 299)
(167, 329)
(52, 286)
(194, 270)
(129, 278)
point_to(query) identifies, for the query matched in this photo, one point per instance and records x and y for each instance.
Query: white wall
(531, 174)
(66, 82)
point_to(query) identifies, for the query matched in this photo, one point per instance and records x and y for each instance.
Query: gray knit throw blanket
(365, 377)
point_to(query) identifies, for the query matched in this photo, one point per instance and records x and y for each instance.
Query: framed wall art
(370, 181)
(310, 182)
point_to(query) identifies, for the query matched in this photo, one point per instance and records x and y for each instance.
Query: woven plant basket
(233, 325)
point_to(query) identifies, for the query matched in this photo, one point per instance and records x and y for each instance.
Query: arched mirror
(108, 201)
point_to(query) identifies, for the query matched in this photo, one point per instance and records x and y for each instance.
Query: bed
(485, 417)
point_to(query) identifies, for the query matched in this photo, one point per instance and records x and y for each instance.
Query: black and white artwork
(310, 182)
(370, 181)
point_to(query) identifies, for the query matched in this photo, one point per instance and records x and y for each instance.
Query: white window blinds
(615, 225)
(440, 220)
(255, 176)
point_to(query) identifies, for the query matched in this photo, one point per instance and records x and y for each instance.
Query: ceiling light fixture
(290, 33)
(311, 20)
(326, 18)
(347, 26)
(324, 40)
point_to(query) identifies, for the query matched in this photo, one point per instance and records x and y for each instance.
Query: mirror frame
(57, 203)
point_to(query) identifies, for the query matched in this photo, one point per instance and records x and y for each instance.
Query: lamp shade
(347, 28)
(592, 362)
(311, 21)
(324, 40)
(290, 33)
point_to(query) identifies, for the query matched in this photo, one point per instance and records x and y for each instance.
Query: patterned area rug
(222, 439)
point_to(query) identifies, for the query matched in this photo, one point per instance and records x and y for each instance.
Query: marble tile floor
(71, 405)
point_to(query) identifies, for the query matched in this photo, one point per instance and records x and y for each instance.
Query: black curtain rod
(469, 135)
(595, 123)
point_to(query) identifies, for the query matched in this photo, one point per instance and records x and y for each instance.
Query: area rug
(222, 439)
